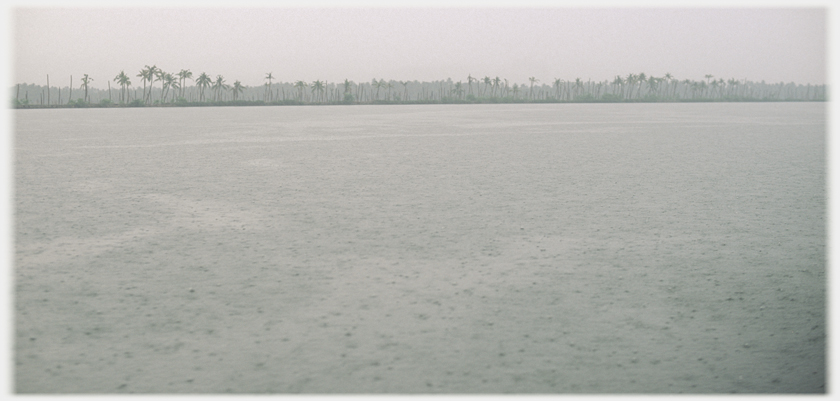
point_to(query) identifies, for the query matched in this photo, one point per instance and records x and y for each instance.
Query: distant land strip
(163, 89)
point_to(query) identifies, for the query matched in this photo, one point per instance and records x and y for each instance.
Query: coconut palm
(653, 83)
(317, 86)
(146, 75)
(667, 78)
(557, 83)
(641, 79)
(459, 90)
(733, 86)
(378, 85)
(164, 89)
(301, 86)
(630, 81)
(123, 81)
(85, 82)
(204, 81)
(714, 87)
(183, 75)
(170, 82)
(531, 89)
(127, 82)
(269, 77)
(390, 86)
(617, 82)
(218, 86)
(405, 89)
(348, 88)
(578, 87)
(154, 74)
(160, 76)
(686, 84)
(177, 89)
(236, 89)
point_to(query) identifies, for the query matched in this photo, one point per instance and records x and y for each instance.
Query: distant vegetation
(161, 88)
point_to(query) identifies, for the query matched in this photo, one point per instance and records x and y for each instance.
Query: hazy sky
(772, 44)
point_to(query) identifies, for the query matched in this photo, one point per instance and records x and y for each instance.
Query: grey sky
(771, 44)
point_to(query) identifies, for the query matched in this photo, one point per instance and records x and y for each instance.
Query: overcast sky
(361, 43)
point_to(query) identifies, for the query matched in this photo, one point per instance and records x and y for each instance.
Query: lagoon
(511, 248)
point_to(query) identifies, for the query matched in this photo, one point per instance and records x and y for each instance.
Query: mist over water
(557, 248)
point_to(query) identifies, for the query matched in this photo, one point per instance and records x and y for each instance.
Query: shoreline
(398, 103)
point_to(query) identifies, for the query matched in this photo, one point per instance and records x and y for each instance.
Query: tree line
(161, 88)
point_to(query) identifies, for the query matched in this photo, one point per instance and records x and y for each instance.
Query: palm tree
(146, 75)
(557, 83)
(269, 77)
(123, 81)
(470, 80)
(459, 90)
(531, 89)
(219, 86)
(695, 86)
(641, 79)
(301, 86)
(653, 83)
(154, 73)
(127, 82)
(631, 82)
(164, 89)
(714, 87)
(237, 89)
(733, 85)
(687, 84)
(160, 75)
(85, 81)
(578, 87)
(668, 78)
(496, 82)
(617, 82)
(390, 86)
(317, 86)
(486, 84)
(184, 75)
(203, 82)
(405, 90)
(348, 88)
(169, 82)
(378, 85)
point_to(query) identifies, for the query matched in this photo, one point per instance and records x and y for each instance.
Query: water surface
(578, 248)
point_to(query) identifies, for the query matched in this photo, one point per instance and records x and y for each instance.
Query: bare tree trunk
(109, 90)
(71, 90)
(48, 89)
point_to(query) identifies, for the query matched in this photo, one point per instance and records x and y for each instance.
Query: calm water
(608, 248)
